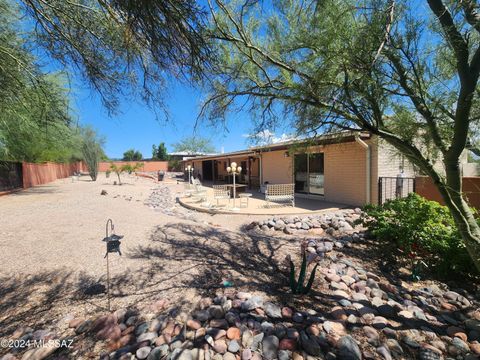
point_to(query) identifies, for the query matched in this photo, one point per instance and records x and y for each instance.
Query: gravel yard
(197, 286)
(52, 256)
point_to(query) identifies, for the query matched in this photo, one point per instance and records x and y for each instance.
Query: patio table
(239, 188)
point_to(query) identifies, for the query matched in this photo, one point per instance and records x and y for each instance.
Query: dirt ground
(52, 254)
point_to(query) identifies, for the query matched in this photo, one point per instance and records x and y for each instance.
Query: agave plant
(297, 286)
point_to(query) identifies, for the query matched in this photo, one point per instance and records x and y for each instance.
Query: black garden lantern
(113, 246)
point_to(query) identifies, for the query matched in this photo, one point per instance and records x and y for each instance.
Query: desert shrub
(423, 230)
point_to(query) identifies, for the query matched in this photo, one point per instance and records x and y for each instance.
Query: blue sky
(136, 126)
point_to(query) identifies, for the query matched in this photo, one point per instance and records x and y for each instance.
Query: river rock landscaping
(366, 317)
(339, 222)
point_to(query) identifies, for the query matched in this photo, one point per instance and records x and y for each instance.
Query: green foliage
(91, 145)
(119, 169)
(160, 152)
(121, 48)
(297, 286)
(175, 165)
(424, 232)
(132, 155)
(194, 145)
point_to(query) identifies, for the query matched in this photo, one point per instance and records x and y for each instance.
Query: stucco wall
(37, 174)
(277, 169)
(470, 185)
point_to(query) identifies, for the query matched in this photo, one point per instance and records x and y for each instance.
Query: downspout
(368, 155)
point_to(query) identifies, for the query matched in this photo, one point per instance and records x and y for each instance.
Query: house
(183, 155)
(347, 167)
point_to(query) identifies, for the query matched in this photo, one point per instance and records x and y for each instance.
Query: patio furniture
(244, 199)
(280, 193)
(199, 193)
(221, 192)
(188, 189)
(239, 188)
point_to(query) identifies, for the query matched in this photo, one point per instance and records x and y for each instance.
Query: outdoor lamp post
(190, 171)
(234, 170)
(113, 245)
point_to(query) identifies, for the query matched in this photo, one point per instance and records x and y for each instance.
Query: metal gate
(10, 175)
(394, 188)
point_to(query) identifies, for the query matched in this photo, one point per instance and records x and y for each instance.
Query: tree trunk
(460, 210)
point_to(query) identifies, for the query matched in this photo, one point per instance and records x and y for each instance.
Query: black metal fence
(394, 188)
(10, 175)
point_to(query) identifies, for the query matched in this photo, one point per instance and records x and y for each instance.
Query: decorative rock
(233, 333)
(219, 323)
(283, 355)
(246, 354)
(252, 303)
(143, 352)
(149, 336)
(158, 353)
(348, 349)
(247, 339)
(332, 327)
(270, 347)
(287, 312)
(287, 344)
(220, 346)
(216, 311)
(297, 317)
(382, 350)
(229, 356)
(193, 324)
(273, 310)
(233, 346)
(309, 344)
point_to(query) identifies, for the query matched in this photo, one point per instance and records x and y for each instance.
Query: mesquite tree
(406, 71)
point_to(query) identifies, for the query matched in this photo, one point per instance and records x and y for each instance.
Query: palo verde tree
(406, 71)
(194, 144)
(121, 48)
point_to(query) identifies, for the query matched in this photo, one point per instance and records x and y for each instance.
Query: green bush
(423, 230)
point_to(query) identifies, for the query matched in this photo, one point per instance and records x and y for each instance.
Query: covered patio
(255, 205)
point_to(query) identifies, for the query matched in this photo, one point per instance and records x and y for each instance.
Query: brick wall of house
(277, 169)
(345, 173)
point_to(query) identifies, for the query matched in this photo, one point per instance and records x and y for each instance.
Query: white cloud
(267, 137)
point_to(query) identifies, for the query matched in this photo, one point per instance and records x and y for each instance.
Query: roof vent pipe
(368, 155)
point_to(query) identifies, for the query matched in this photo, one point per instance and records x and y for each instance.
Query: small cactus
(297, 286)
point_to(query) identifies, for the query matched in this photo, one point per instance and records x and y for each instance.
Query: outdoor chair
(187, 189)
(221, 192)
(280, 194)
(199, 192)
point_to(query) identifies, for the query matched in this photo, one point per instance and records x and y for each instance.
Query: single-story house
(344, 167)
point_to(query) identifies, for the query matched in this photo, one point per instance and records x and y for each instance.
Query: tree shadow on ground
(180, 262)
(43, 189)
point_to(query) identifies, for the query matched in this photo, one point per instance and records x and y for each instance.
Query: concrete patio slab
(257, 205)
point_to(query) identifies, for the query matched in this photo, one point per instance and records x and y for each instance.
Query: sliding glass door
(309, 173)
(301, 173)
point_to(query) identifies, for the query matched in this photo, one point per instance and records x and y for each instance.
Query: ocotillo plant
(297, 285)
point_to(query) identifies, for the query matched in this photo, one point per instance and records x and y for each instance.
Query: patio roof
(332, 138)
